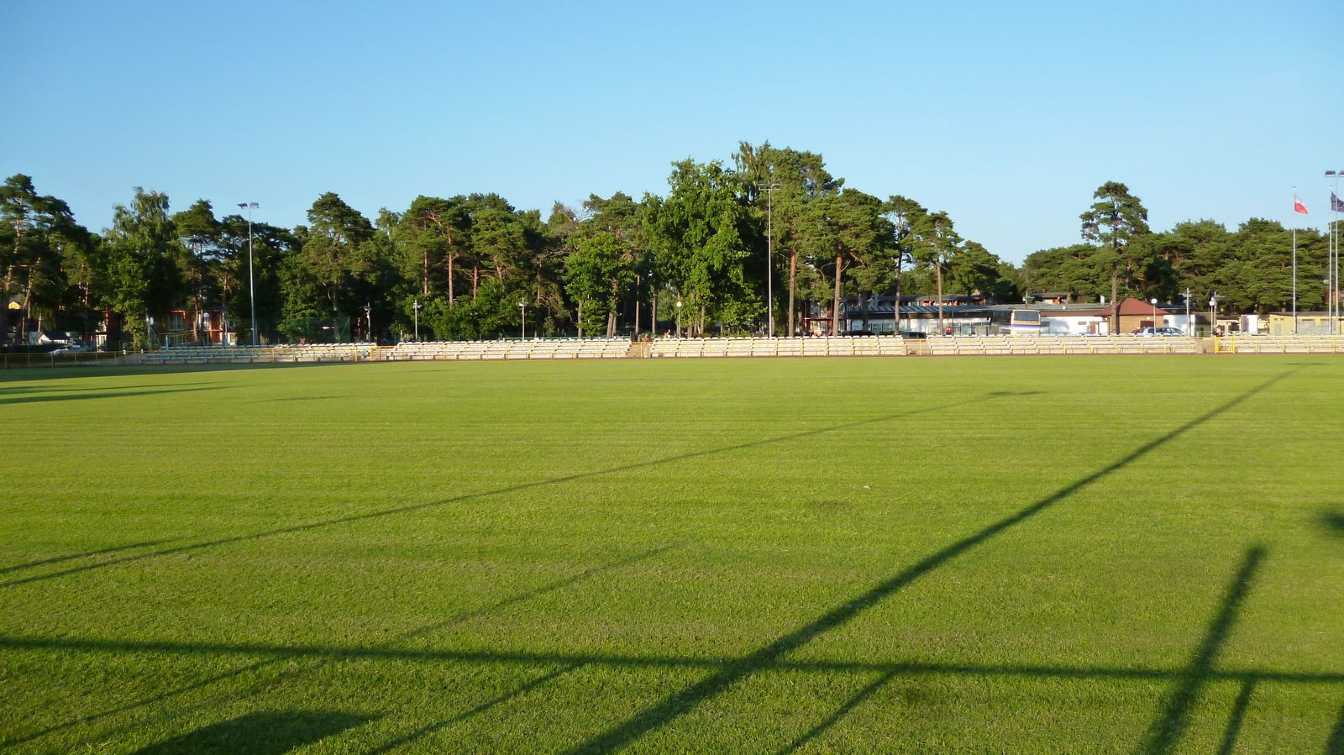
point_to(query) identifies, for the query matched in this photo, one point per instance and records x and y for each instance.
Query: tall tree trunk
(450, 278)
(896, 303)
(938, 270)
(611, 323)
(424, 275)
(475, 280)
(1115, 302)
(835, 300)
(793, 277)
(4, 305)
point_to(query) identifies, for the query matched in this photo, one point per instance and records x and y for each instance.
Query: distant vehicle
(1024, 322)
(1165, 331)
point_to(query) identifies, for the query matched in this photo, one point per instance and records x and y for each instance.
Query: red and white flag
(1299, 206)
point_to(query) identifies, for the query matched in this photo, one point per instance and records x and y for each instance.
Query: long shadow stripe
(274, 657)
(1238, 717)
(428, 729)
(188, 548)
(86, 554)
(831, 720)
(1166, 730)
(683, 701)
(532, 658)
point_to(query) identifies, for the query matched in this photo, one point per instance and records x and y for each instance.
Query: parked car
(1166, 331)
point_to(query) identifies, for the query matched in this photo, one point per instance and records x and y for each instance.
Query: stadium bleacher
(843, 346)
(847, 346)
(1281, 345)
(1022, 345)
(296, 354)
(587, 348)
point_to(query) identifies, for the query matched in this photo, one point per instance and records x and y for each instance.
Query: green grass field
(1035, 554)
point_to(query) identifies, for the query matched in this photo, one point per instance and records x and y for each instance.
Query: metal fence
(39, 360)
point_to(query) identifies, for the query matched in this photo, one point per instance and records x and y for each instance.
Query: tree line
(770, 230)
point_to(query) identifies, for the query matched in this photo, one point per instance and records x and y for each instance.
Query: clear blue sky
(1007, 117)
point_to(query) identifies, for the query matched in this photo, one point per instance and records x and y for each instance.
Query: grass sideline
(1019, 554)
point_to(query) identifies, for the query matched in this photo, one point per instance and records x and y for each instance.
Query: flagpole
(1295, 265)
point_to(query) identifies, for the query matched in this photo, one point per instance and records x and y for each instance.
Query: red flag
(1299, 206)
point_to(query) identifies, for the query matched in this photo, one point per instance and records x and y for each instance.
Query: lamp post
(416, 306)
(1213, 312)
(1332, 254)
(678, 318)
(770, 259)
(251, 290)
(522, 319)
(1154, 303)
(1189, 327)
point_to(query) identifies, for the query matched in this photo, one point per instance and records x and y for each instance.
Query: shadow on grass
(726, 672)
(107, 393)
(85, 554)
(1234, 722)
(679, 703)
(1335, 745)
(410, 508)
(260, 733)
(428, 729)
(39, 388)
(322, 658)
(1333, 521)
(1165, 732)
(853, 702)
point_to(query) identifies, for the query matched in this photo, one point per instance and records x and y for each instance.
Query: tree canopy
(697, 253)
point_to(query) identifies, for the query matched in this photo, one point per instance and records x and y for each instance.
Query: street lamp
(251, 289)
(1332, 252)
(1154, 303)
(678, 318)
(522, 319)
(770, 259)
(1213, 312)
(416, 306)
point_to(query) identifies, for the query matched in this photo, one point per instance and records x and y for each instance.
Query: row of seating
(847, 346)
(587, 348)
(1035, 345)
(284, 354)
(1281, 344)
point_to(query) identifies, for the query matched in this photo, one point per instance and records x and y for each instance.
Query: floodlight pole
(416, 306)
(251, 288)
(1332, 255)
(770, 259)
(678, 318)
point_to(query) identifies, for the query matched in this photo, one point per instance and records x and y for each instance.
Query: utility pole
(251, 289)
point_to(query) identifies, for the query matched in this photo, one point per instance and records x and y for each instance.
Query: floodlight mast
(1333, 306)
(251, 288)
